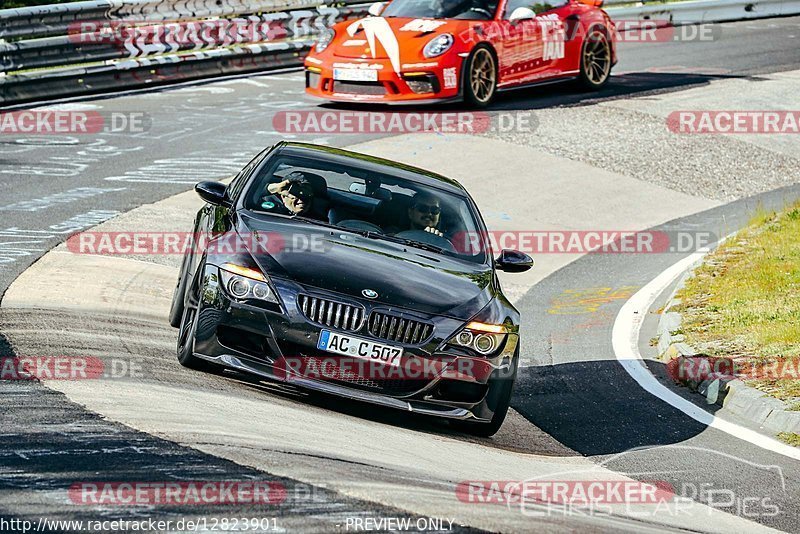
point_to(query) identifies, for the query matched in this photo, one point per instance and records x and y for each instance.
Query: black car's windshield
(377, 205)
(442, 9)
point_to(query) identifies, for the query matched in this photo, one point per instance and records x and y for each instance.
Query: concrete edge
(723, 390)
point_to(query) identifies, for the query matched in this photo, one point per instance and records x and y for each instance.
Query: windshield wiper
(314, 221)
(399, 240)
(425, 246)
(413, 243)
(376, 235)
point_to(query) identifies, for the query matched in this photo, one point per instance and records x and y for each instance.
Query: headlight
(483, 338)
(325, 39)
(438, 45)
(244, 283)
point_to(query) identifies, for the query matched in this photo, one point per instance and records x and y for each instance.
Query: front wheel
(178, 296)
(480, 77)
(499, 398)
(186, 334)
(595, 60)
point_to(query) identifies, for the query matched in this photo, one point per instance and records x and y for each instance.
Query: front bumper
(428, 81)
(260, 339)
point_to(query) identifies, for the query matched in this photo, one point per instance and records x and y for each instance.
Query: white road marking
(30, 242)
(64, 197)
(185, 170)
(251, 81)
(154, 91)
(625, 340)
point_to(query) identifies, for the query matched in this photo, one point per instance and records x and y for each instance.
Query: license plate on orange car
(357, 347)
(355, 75)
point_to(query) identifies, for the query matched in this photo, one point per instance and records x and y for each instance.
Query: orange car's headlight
(438, 45)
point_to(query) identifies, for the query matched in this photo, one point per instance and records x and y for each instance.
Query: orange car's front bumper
(420, 82)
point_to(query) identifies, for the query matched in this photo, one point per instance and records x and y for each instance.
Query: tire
(186, 333)
(479, 82)
(179, 296)
(595, 68)
(501, 398)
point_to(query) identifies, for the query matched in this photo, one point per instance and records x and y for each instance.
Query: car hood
(394, 36)
(347, 263)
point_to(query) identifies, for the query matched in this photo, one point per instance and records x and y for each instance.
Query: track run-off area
(581, 410)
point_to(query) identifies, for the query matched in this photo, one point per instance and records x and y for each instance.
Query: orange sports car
(414, 51)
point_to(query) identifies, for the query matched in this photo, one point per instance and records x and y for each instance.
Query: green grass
(744, 301)
(790, 437)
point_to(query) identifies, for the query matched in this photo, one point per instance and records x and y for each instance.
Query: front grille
(331, 313)
(359, 88)
(396, 328)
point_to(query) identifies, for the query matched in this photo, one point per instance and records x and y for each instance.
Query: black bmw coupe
(355, 276)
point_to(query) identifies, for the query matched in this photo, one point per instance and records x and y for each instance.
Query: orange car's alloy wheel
(596, 61)
(482, 77)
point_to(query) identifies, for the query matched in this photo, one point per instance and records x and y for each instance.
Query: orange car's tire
(595, 60)
(479, 82)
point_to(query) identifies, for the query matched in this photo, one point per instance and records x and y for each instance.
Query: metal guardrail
(98, 45)
(89, 41)
(706, 11)
(49, 20)
(68, 49)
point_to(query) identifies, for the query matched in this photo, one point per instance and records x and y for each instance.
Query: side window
(533, 5)
(241, 179)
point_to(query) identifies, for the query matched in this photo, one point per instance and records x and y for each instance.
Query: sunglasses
(299, 193)
(424, 208)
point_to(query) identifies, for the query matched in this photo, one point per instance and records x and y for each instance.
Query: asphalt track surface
(577, 392)
(210, 130)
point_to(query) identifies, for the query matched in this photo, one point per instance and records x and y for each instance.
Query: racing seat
(355, 206)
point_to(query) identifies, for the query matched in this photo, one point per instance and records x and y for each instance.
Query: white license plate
(359, 348)
(355, 75)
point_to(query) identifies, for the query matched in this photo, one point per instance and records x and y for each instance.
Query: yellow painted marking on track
(589, 300)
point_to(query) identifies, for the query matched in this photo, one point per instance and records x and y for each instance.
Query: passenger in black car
(294, 195)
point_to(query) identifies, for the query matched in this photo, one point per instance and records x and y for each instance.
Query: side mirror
(376, 9)
(513, 261)
(521, 13)
(212, 192)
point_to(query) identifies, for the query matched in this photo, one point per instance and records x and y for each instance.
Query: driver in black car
(292, 196)
(424, 213)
